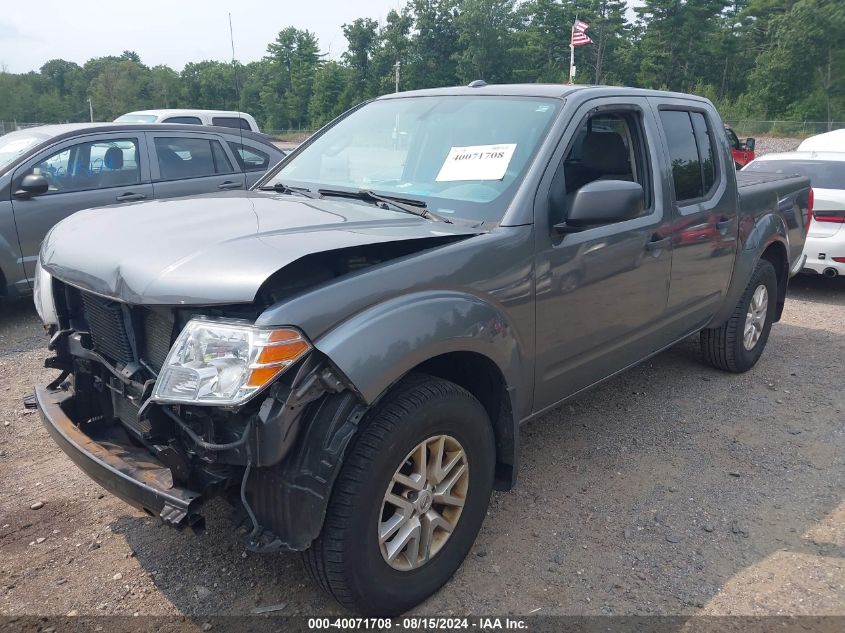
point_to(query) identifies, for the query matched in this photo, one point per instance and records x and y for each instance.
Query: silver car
(52, 171)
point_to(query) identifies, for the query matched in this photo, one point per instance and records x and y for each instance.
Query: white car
(825, 246)
(833, 141)
(220, 118)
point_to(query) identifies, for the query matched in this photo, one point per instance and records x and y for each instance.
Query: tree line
(763, 59)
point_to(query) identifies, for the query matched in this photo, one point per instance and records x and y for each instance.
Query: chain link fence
(746, 127)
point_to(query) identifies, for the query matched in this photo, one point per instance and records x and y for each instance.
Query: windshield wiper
(408, 205)
(280, 187)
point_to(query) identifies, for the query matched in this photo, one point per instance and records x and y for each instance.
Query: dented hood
(216, 248)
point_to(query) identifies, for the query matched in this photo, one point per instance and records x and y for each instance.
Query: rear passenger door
(704, 201)
(190, 164)
(92, 171)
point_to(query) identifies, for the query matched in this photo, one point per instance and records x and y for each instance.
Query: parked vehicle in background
(348, 350)
(825, 247)
(219, 118)
(742, 151)
(49, 172)
(833, 141)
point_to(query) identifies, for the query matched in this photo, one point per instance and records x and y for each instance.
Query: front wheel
(737, 345)
(409, 500)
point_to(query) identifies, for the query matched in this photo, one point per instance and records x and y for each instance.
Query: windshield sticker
(476, 162)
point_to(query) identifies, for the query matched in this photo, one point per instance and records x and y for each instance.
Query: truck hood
(215, 248)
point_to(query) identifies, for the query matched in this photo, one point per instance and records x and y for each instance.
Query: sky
(171, 32)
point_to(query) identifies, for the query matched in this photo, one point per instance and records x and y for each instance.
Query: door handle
(657, 242)
(129, 197)
(230, 184)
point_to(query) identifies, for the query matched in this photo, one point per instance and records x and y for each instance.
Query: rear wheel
(409, 500)
(737, 345)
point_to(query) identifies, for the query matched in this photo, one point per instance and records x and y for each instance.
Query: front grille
(158, 334)
(107, 328)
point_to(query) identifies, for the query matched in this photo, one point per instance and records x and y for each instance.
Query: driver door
(100, 170)
(601, 291)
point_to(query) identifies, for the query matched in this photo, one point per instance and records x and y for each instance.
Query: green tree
(434, 44)
(485, 35)
(288, 76)
(799, 74)
(330, 91)
(362, 37)
(394, 46)
(541, 51)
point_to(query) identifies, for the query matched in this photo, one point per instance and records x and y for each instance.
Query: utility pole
(396, 67)
(90, 109)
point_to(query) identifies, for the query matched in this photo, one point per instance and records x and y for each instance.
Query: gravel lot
(672, 489)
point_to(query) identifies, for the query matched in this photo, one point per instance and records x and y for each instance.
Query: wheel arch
(776, 254)
(481, 377)
(765, 240)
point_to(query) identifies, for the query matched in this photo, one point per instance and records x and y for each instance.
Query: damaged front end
(113, 411)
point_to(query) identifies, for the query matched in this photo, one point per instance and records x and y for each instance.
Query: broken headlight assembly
(225, 363)
(42, 296)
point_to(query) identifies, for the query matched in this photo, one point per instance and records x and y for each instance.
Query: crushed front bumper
(107, 456)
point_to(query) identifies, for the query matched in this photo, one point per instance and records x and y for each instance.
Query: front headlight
(42, 296)
(216, 362)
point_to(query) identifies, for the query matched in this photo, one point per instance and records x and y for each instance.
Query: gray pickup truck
(347, 351)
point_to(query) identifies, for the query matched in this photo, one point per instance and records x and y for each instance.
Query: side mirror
(603, 202)
(749, 144)
(33, 185)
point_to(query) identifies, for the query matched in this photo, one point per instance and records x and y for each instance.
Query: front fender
(755, 239)
(378, 346)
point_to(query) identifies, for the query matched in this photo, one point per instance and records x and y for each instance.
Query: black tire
(723, 347)
(346, 559)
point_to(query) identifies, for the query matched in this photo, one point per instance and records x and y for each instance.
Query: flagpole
(572, 52)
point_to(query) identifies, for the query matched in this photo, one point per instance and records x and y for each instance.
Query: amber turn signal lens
(282, 352)
(260, 376)
(279, 349)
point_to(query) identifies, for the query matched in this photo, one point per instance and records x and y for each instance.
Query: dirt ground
(672, 489)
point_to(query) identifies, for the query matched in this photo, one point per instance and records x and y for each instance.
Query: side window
(249, 158)
(92, 165)
(607, 146)
(733, 140)
(683, 153)
(705, 150)
(691, 152)
(222, 165)
(189, 120)
(181, 157)
(231, 121)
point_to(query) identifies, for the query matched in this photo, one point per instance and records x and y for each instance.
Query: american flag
(579, 37)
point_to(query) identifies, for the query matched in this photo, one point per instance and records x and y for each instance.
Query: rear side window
(683, 153)
(705, 150)
(231, 121)
(249, 158)
(180, 158)
(188, 120)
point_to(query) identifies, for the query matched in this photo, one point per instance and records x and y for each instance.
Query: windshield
(823, 174)
(16, 143)
(137, 118)
(461, 155)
